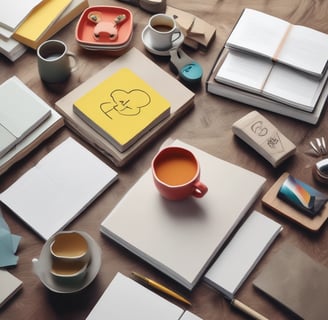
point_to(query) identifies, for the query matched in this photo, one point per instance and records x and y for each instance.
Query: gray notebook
(296, 281)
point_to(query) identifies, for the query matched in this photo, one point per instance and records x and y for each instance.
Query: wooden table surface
(207, 126)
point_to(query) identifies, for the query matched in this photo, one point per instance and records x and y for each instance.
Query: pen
(243, 307)
(160, 288)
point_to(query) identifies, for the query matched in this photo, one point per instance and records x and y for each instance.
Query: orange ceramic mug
(176, 173)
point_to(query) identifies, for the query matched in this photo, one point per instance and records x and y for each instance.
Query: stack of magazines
(274, 65)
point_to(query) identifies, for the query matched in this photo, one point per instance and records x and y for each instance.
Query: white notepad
(126, 299)
(58, 188)
(15, 11)
(180, 238)
(189, 316)
(21, 111)
(242, 253)
(9, 285)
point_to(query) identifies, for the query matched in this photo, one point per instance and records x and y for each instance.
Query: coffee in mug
(176, 174)
(162, 28)
(163, 31)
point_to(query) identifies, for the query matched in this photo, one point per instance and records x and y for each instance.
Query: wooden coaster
(271, 200)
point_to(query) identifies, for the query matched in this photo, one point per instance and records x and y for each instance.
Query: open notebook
(297, 46)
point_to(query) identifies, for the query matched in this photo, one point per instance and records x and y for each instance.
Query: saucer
(42, 267)
(146, 41)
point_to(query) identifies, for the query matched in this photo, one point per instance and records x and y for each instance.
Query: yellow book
(122, 108)
(40, 20)
(71, 12)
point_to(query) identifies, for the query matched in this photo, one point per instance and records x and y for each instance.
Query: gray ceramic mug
(55, 62)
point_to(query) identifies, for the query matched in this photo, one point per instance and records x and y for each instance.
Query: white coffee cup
(163, 31)
(55, 62)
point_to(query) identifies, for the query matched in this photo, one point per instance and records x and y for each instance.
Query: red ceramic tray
(85, 28)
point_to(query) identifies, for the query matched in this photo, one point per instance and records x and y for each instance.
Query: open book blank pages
(299, 47)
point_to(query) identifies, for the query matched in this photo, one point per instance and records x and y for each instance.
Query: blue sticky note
(8, 244)
(7, 255)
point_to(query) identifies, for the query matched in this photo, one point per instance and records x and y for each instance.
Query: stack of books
(32, 22)
(47, 19)
(11, 16)
(25, 121)
(271, 64)
(124, 106)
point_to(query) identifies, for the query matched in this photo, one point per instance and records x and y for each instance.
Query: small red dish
(102, 18)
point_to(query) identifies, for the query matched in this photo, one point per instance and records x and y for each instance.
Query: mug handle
(200, 189)
(177, 33)
(74, 59)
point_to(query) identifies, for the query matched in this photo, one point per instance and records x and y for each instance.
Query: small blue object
(191, 72)
(8, 245)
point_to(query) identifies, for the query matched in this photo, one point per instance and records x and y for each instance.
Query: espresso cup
(71, 273)
(55, 62)
(163, 31)
(70, 256)
(176, 174)
(70, 246)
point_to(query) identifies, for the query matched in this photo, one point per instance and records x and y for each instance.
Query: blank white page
(126, 299)
(58, 188)
(242, 253)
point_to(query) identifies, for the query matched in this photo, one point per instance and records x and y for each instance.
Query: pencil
(161, 288)
(243, 307)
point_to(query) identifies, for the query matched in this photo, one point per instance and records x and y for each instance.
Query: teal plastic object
(189, 70)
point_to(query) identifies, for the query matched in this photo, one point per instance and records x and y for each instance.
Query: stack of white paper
(12, 14)
(58, 188)
(274, 65)
(20, 114)
(28, 117)
(272, 80)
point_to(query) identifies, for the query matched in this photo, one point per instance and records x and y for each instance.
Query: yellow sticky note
(122, 108)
